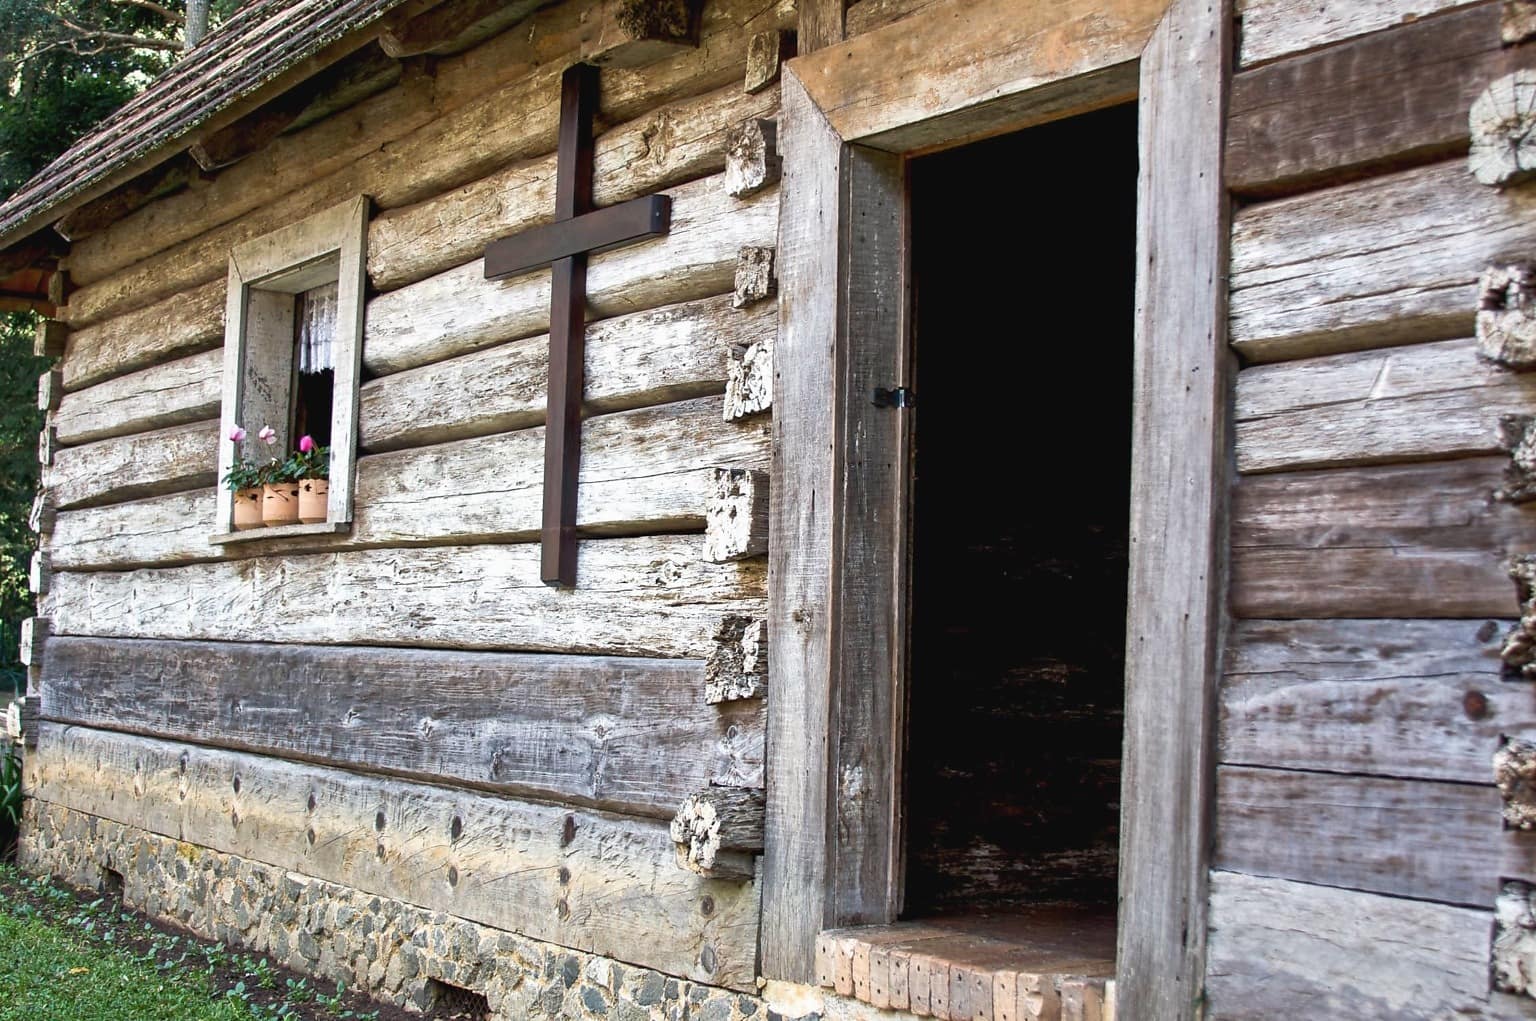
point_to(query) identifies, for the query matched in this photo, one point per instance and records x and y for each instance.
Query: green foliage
(10, 798)
(20, 422)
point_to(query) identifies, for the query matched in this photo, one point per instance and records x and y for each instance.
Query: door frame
(851, 115)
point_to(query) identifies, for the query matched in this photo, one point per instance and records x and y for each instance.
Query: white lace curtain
(315, 314)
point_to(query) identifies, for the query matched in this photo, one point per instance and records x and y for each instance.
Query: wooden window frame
(265, 274)
(837, 568)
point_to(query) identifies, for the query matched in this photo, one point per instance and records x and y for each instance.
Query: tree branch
(149, 5)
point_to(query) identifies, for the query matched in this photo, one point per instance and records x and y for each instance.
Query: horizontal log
(665, 148)
(594, 882)
(464, 139)
(1274, 28)
(664, 354)
(630, 735)
(1405, 698)
(1412, 403)
(867, 15)
(129, 467)
(1391, 260)
(637, 597)
(1284, 949)
(1407, 838)
(1389, 99)
(1420, 540)
(643, 472)
(714, 822)
(173, 393)
(459, 310)
(187, 323)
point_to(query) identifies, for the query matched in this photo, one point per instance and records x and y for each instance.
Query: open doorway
(1023, 254)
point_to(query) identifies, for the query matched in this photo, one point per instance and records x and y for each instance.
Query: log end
(737, 668)
(717, 830)
(1501, 124)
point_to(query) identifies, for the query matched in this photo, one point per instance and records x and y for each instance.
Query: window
(293, 332)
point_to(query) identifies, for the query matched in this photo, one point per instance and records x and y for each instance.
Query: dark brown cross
(578, 231)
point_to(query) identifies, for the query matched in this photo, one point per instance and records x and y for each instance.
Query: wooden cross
(578, 231)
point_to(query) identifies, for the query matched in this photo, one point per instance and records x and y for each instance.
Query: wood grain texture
(1286, 949)
(1393, 98)
(821, 24)
(1406, 838)
(172, 393)
(459, 310)
(129, 467)
(670, 353)
(1422, 540)
(582, 879)
(642, 597)
(1179, 457)
(1386, 261)
(645, 471)
(796, 872)
(1274, 28)
(667, 147)
(189, 322)
(628, 735)
(1413, 403)
(967, 67)
(867, 15)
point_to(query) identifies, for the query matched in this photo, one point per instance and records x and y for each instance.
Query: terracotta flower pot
(247, 509)
(314, 496)
(280, 503)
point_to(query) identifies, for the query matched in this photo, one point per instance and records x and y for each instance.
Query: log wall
(413, 669)
(1360, 848)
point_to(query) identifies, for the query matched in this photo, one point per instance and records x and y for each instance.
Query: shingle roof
(254, 47)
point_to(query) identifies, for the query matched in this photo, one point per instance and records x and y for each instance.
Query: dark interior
(1023, 252)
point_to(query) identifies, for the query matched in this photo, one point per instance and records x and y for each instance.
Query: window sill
(280, 532)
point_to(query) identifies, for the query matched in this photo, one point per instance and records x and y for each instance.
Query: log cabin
(654, 654)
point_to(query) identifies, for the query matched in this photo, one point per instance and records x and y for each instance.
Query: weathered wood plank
(1412, 403)
(189, 322)
(1284, 949)
(1391, 260)
(867, 15)
(459, 310)
(1422, 540)
(1179, 457)
(629, 735)
(1406, 698)
(1274, 28)
(1392, 98)
(667, 147)
(1406, 838)
(640, 597)
(969, 67)
(466, 142)
(129, 467)
(619, 893)
(669, 353)
(821, 24)
(185, 390)
(642, 472)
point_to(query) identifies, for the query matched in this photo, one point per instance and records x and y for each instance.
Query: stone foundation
(386, 947)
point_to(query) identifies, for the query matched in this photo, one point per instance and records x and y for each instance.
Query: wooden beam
(598, 231)
(561, 728)
(594, 882)
(632, 33)
(1385, 100)
(1406, 698)
(712, 824)
(442, 26)
(182, 325)
(821, 24)
(1179, 456)
(49, 339)
(90, 217)
(131, 467)
(1276, 28)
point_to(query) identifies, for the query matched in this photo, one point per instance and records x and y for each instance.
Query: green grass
(67, 958)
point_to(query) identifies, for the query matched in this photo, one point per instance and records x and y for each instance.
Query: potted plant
(279, 486)
(244, 480)
(313, 463)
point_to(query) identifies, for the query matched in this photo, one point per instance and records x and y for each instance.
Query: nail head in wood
(50, 390)
(1503, 127)
(736, 519)
(34, 636)
(766, 54)
(755, 279)
(50, 339)
(1517, 21)
(752, 160)
(737, 667)
(749, 380)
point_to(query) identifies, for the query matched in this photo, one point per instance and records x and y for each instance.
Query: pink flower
(306, 444)
(237, 434)
(268, 435)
